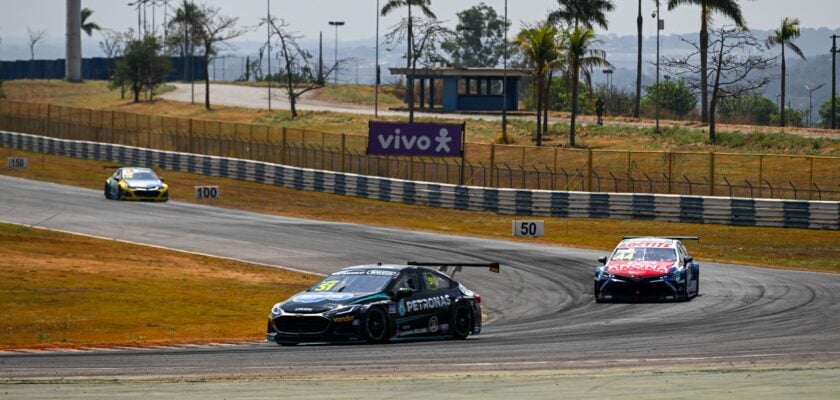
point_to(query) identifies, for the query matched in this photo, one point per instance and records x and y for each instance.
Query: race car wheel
(107, 192)
(376, 325)
(461, 321)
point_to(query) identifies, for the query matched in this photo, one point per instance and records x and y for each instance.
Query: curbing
(544, 203)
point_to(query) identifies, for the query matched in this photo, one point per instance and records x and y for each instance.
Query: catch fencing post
(283, 145)
(343, 150)
(811, 179)
(492, 164)
(711, 173)
(760, 175)
(589, 170)
(670, 171)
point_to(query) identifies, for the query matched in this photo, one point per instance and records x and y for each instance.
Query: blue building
(464, 89)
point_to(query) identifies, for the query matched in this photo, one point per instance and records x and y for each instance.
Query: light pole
(268, 43)
(504, 78)
(609, 73)
(811, 100)
(376, 78)
(660, 25)
(834, 52)
(336, 24)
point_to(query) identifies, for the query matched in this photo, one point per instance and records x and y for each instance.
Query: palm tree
(729, 8)
(188, 17)
(784, 37)
(583, 57)
(582, 12)
(88, 27)
(542, 45)
(424, 7)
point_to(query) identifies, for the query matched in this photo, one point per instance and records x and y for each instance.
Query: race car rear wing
(443, 267)
(665, 237)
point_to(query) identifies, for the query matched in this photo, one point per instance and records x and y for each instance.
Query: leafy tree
(794, 117)
(424, 6)
(88, 27)
(674, 96)
(583, 56)
(479, 39)
(783, 36)
(825, 112)
(749, 109)
(215, 31)
(730, 9)
(142, 67)
(575, 13)
(542, 45)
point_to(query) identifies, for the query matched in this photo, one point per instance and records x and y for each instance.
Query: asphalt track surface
(541, 308)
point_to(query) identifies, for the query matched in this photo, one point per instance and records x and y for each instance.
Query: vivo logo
(397, 141)
(420, 139)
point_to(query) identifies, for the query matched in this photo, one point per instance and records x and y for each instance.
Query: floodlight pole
(336, 24)
(376, 72)
(268, 43)
(659, 26)
(504, 78)
(834, 52)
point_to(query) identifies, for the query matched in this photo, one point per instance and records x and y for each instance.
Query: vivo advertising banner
(403, 139)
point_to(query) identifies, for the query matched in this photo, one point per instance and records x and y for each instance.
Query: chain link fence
(488, 165)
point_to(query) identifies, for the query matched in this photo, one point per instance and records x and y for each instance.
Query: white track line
(167, 248)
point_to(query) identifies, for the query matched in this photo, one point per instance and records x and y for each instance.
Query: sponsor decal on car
(662, 245)
(433, 325)
(402, 309)
(639, 268)
(316, 297)
(429, 303)
(340, 320)
(303, 309)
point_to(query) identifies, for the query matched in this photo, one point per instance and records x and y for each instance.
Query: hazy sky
(310, 16)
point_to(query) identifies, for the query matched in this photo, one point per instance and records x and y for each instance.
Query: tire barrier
(545, 203)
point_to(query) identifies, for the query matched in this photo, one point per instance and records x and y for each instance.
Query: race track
(542, 311)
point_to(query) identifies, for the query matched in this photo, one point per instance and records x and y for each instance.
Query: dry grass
(59, 291)
(772, 247)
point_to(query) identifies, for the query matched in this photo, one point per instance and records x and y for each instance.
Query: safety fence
(672, 208)
(485, 165)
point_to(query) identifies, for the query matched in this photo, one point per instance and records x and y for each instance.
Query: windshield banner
(402, 139)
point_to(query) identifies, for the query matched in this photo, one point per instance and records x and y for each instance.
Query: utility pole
(336, 24)
(73, 48)
(637, 105)
(834, 52)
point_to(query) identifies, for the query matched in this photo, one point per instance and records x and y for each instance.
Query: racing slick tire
(376, 325)
(107, 192)
(461, 321)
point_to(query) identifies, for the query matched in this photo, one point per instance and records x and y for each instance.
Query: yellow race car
(133, 183)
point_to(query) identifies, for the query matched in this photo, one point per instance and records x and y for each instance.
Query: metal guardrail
(671, 208)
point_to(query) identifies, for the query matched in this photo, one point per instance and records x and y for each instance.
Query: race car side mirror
(404, 292)
(688, 260)
(602, 259)
(162, 180)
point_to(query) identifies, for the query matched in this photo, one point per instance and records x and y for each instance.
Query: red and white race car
(648, 268)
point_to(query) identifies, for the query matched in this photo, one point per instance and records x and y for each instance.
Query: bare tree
(301, 76)
(427, 35)
(737, 66)
(215, 31)
(35, 37)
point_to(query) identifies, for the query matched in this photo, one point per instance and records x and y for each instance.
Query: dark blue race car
(378, 303)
